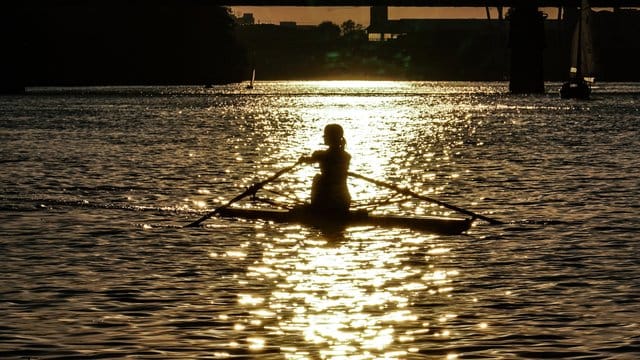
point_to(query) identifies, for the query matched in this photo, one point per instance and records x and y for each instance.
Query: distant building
(378, 20)
(288, 24)
(246, 19)
(382, 29)
(378, 15)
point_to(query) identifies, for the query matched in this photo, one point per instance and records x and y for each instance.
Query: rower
(329, 192)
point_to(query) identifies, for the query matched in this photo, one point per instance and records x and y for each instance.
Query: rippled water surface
(97, 182)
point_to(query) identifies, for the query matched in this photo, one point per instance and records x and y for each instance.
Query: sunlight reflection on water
(346, 294)
(352, 296)
(383, 137)
(97, 183)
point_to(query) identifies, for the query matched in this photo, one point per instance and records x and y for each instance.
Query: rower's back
(329, 192)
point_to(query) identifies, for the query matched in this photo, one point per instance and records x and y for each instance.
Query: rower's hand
(305, 159)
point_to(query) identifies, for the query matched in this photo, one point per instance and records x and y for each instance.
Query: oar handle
(425, 198)
(251, 190)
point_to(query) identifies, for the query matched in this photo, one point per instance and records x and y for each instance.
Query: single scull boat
(303, 215)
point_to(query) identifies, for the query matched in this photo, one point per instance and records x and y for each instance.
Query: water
(96, 183)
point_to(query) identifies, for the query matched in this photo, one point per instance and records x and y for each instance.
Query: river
(97, 182)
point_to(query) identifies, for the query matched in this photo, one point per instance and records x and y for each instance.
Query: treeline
(327, 51)
(446, 50)
(118, 42)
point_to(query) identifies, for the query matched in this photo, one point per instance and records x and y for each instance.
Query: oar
(425, 198)
(249, 191)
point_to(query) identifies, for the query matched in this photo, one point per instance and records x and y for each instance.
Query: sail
(582, 59)
(588, 65)
(253, 78)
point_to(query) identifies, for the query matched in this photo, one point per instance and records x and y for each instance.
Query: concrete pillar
(12, 77)
(526, 41)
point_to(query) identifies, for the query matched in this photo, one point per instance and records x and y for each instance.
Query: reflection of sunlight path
(336, 291)
(348, 300)
(369, 296)
(390, 128)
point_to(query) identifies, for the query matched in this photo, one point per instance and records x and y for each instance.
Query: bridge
(430, 3)
(526, 26)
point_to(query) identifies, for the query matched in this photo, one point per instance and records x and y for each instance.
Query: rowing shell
(431, 224)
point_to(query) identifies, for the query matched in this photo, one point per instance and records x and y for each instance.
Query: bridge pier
(526, 41)
(12, 61)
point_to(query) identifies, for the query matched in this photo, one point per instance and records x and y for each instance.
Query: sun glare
(355, 84)
(371, 135)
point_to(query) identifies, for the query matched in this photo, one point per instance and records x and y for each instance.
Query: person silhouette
(329, 192)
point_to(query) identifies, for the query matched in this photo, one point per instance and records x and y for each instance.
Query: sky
(360, 15)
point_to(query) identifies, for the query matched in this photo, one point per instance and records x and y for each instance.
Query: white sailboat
(253, 78)
(581, 72)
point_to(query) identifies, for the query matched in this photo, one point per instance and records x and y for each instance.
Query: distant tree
(352, 31)
(329, 30)
(349, 27)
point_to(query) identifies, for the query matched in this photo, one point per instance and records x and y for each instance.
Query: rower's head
(334, 136)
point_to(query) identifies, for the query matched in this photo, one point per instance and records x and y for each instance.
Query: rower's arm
(308, 159)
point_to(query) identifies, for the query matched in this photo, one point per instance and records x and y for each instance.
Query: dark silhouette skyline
(461, 49)
(191, 42)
